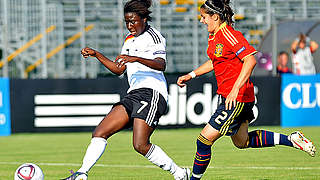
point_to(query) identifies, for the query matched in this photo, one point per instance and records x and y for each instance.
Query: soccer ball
(28, 171)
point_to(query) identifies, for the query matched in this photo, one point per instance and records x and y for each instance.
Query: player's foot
(300, 142)
(184, 176)
(77, 176)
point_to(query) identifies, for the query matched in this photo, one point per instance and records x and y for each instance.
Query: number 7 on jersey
(144, 104)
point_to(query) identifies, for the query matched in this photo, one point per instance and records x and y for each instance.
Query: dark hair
(302, 38)
(140, 7)
(283, 52)
(220, 7)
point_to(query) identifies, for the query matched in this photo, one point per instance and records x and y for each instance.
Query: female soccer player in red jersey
(232, 59)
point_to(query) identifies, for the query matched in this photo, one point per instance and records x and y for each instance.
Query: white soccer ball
(28, 171)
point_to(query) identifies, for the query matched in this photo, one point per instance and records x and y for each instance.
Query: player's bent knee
(99, 134)
(240, 145)
(140, 148)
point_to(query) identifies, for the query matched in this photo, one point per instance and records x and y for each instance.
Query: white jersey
(302, 60)
(149, 45)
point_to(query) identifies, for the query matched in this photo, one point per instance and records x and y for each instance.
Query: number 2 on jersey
(144, 104)
(220, 117)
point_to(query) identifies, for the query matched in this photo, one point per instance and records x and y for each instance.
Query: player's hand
(86, 52)
(183, 79)
(231, 100)
(121, 60)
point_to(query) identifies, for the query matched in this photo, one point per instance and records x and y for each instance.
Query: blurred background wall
(43, 38)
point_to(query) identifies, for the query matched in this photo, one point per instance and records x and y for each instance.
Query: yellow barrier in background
(57, 49)
(26, 46)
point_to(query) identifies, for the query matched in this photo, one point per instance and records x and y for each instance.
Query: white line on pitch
(152, 166)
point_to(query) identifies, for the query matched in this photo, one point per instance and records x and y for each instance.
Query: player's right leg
(203, 155)
(116, 120)
(141, 143)
(221, 123)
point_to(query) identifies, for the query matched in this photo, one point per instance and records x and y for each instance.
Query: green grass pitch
(56, 153)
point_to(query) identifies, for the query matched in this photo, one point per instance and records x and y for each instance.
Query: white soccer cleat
(187, 174)
(300, 142)
(184, 176)
(82, 177)
(77, 176)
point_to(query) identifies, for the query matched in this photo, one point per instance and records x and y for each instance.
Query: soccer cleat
(300, 142)
(185, 175)
(77, 176)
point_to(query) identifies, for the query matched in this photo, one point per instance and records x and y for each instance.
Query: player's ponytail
(228, 12)
(141, 7)
(220, 7)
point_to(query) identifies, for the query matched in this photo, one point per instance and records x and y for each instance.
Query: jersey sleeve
(157, 47)
(125, 49)
(159, 50)
(239, 45)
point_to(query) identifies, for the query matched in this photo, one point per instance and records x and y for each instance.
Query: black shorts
(228, 122)
(144, 103)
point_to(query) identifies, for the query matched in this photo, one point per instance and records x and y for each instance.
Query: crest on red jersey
(218, 51)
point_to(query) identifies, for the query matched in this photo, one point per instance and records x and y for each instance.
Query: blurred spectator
(302, 49)
(282, 66)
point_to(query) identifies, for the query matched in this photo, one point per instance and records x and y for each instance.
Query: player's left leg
(141, 142)
(257, 138)
(262, 138)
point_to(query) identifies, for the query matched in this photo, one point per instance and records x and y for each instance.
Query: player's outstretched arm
(314, 46)
(294, 45)
(157, 63)
(203, 69)
(112, 66)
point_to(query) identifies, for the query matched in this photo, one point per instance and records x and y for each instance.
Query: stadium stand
(177, 20)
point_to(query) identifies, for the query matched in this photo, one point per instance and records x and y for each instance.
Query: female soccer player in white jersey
(302, 58)
(143, 56)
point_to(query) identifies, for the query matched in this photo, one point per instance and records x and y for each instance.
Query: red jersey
(227, 48)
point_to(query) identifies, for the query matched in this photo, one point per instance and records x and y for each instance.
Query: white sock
(94, 152)
(158, 157)
(276, 137)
